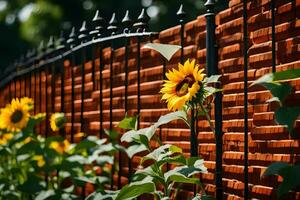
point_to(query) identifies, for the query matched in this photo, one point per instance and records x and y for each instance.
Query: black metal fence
(81, 46)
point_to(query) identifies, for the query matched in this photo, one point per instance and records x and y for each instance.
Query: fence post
(97, 32)
(140, 25)
(245, 38)
(212, 69)
(71, 43)
(60, 48)
(112, 28)
(127, 25)
(181, 15)
(82, 38)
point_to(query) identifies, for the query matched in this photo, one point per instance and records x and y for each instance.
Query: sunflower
(39, 160)
(4, 138)
(57, 121)
(60, 147)
(27, 102)
(182, 85)
(15, 116)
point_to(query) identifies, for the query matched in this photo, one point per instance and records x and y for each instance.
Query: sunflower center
(183, 87)
(16, 116)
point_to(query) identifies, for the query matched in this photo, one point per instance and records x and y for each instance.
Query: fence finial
(210, 5)
(181, 14)
(113, 24)
(72, 38)
(61, 42)
(41, 49)
(142, 21)
(127, 22)
(50, 45)
(83, 33)
(98, 25)
(28, 54)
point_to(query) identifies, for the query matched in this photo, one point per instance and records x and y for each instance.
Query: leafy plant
(32, 166)
(153, 176)
(285, 115)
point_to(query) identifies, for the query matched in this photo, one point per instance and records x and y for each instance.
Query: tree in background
(24, 23)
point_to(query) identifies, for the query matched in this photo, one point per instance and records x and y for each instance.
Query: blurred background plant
(34, 167)
(24, 23)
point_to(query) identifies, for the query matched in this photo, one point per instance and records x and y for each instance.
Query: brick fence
(268, 142)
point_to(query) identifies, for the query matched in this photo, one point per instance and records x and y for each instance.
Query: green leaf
(203, 197)
(212, 79)
(161, 153)
(82, 180)
(136, 189)
(109, 195)
(270, 82)
(287, 74)
(278, 76)
(211, 90)
(133, 135)
(291, 179)
(185, 171)
(171, 117)
(275, 168)
(134, 149)
(47, 194)
(166, 50)
(151, 171)
(85, 145)
(180, 178)
(112, 134)
(128, 123)
(287, 116)
(32, 185)
(78, 159)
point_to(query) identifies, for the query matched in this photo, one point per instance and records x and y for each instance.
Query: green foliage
(60, 15)
(166, 50)
(289, 173)
(284, 115)
(34, 167)
(128, 123)
(155, 174)
(136, 189)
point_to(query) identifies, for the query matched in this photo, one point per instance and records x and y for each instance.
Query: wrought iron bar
(83, 38)
(181, 15)
(71, 43)
(50, 50)
(212, 69)
(127, 25)
(97, 32)
(141, 25)
(101, 89)
(60, 48)
(273, 36)
(245, 35)
(42, 51)
(113, 30)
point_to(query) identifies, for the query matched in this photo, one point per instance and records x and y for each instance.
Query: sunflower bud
(57, 121)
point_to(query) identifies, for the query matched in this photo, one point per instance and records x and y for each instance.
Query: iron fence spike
(181, 13)
(113, 24)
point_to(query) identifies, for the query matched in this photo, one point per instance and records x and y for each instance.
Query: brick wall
(268, 142)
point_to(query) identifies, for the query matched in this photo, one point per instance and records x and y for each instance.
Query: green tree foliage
(48, 17)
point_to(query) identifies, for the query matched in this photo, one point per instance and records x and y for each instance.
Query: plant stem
(193, 138)
(208, 118)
